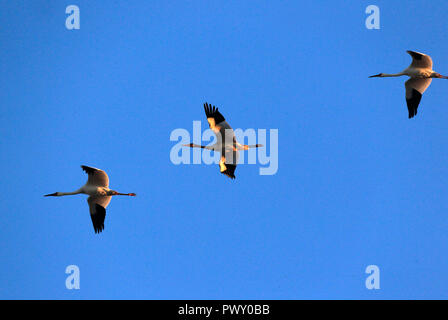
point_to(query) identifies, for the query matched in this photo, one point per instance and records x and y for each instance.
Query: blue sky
(358, 182)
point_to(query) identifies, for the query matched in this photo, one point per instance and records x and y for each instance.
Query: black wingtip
(230, 171)
(98, 218)
(413, 103)
(209, 110)
(231, 176)
(213, 112)
(88, 170)
(415, 55)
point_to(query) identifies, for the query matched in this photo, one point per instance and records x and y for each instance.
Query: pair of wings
(416, 87)
(229, 154)
(97, 204)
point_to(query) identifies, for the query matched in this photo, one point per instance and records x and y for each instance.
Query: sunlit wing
(219, 125)
(97, 177)
(215, 119)
(229, 161)
(420, 60)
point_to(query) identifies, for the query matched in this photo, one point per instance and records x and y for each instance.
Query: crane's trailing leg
(247, 147)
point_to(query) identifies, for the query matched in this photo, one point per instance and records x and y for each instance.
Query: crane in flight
(226, 142)
(421, 74)
(97, 187)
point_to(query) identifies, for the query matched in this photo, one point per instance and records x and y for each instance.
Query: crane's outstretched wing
(420, 60)
(224, 132)
(97, 177)
(97, 206)
(414, 91)
(229, 161)
(214, 117)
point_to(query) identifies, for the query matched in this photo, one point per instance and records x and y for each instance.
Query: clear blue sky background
(358, 183)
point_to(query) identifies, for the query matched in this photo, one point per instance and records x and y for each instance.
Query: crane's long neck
(192, 145)
(60, 194)
(390, 75)
(69, 193)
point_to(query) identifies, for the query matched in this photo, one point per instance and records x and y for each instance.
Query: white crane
(421, 74)
(226, 142)
(97, 187)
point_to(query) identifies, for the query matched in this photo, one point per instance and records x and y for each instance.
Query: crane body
(226, 142)
(421, 75)
(100, 195)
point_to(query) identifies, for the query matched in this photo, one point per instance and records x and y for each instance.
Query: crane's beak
(375, 76)
(51, 195)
